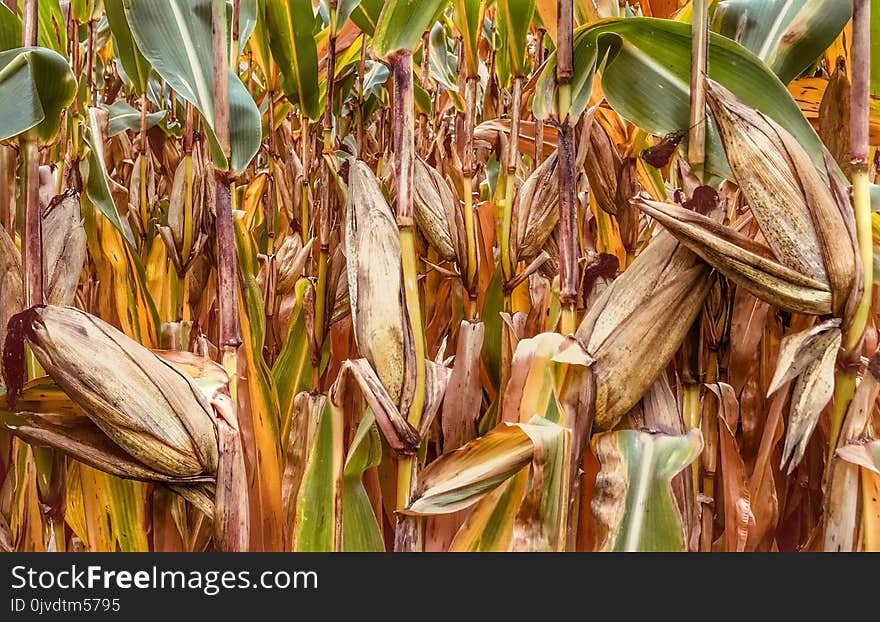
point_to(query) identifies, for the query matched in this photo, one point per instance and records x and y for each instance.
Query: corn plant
(452, 275)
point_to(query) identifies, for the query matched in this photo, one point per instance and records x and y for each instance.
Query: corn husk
(742, 260)
(151, 410)
(437, 215)
(10, 283)
(603, 168)
(794, 207)
(535, 211)
(638, 323)
(372, 250)
(64, 249)
(290, 259)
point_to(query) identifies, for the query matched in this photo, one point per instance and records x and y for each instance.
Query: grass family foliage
(446, 275)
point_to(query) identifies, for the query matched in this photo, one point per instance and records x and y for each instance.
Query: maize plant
(448, 275)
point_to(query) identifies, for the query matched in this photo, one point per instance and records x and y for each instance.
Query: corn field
(439, 275)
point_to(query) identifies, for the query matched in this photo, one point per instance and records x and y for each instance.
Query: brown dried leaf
(811, 393)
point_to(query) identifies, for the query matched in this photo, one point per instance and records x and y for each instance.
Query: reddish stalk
(568, 231)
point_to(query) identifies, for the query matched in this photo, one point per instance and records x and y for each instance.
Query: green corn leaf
(259, 42)
(467, 17)
(514, 19)
(85, 10)
(121, 116)
(136, 67)
(788, 35)
(656, 54)
(175, 36)
(443, 62)
(247, 23)
(365, 15)
(126, 508)
(290, 24)
(99, 185)
(633, 502)
(360, 529)
(316, 501)
(36, 84)
(292, 370)
(10, 29)
(490, 526)
(402, 23)
(346, 8)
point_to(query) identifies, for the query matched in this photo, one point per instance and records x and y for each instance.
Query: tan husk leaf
(64, 249)
(150, 409)
(374, 283)
(741, 259)
(791, 202)
(638, 323)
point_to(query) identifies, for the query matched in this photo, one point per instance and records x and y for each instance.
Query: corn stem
(845, 381)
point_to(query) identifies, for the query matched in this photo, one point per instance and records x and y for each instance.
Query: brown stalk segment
(861, 81)
(29, 22)
(404, 127)
(568, 232)
(33, 231)
(227, 264)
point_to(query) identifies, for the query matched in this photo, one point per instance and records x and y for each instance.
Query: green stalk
(321, 300)
(404, 162)
(861, 199)
(469, 213)
(845, 381)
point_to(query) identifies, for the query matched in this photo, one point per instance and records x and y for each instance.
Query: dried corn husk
(638, 323)
(435, 208)
(741, 259)
(10, 283)
(289, 261)
(64, 249)
(602, 167)
(535, 211)
(372, 250)
(151, 410)
(791, 202)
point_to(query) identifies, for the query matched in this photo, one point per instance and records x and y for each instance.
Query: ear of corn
(374, 281)
(152, 411)
(635, 327)
(64, 249)
(789, 199)
(536, 212)
(741, 260)
(436, 211)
